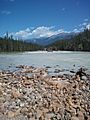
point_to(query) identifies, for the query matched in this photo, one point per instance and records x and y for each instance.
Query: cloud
(23, 33)
(63, 9)
(88, 26)
(86, 20)
(38, 32)
(44, 31)
(6, 12)
(84, 25)
(76, 30)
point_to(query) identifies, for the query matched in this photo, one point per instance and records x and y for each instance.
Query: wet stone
(43, 96)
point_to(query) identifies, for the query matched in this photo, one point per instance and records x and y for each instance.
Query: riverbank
(30, 93)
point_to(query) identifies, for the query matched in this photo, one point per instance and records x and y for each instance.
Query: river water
(61, 59)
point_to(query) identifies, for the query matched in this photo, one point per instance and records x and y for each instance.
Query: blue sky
(40, 18)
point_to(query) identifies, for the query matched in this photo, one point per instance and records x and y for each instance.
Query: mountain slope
(80, 42)
(49, 40)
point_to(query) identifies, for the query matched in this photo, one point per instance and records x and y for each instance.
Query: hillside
(49, 40)
(80, 42)
(10, 45)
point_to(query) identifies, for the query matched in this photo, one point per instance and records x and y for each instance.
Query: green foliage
(8, 44)
(80, 42)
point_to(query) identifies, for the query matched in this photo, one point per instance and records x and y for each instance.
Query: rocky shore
(30, 93)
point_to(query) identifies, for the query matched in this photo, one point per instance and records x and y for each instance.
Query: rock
(15, 93)
(1, 93)
(49, 115)
(20, 66)
(18, 102)
(80, 72)
(10, 114)
(27, 83)
(80, 115)
(21, 104)
(39, 113)
(2, 99)
(57, 71)
(84, 78)
(17, 112)
(24, 110)
(2, 109)
(74, 118)
(24, 91)
(72, 71)
(48, 67)
(43, 96)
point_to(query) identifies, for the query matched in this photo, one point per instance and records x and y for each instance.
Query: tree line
(8, 44)
(80, 42)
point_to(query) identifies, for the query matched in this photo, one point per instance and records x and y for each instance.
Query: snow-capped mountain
(48, 40)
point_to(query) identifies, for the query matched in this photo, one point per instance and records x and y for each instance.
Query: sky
(43, 18)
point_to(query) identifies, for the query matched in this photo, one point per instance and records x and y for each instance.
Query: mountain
(49, 40)
(80, 42)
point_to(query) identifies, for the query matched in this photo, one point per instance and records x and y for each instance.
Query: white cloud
(76, 30)
(44, 31)
(37, 32)
(5, 12)
(80, 25)
(63, 9)
(23, 33)
(84, 25)
(86, 20)
(88, 26)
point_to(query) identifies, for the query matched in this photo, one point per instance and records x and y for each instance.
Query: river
(61, 59)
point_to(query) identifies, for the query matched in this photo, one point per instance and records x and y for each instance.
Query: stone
(84, 78)
(15, 93)
(56, 71)
(10, 114)
(74, 118)
(21, 104)
(2, 108)
(80, 115)
(1, 93)
(24, 91)
(2, 99)
(24, 110)
(17, 112)
(43, 96)
(39, 113)
(49, 115)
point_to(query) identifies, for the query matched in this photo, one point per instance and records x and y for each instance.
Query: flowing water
(61, 59)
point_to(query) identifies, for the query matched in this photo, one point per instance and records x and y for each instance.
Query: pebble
(24, 110)
(74, 118)
(42, 96)
(15, 93)
(10, 114)
(84, 78)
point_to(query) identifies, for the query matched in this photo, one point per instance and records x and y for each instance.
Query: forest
(8, 44)
(80, 42)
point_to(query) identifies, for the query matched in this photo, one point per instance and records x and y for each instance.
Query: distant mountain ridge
(80, 42)
(49, 40)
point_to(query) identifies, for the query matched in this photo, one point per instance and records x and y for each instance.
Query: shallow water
(56, 59)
